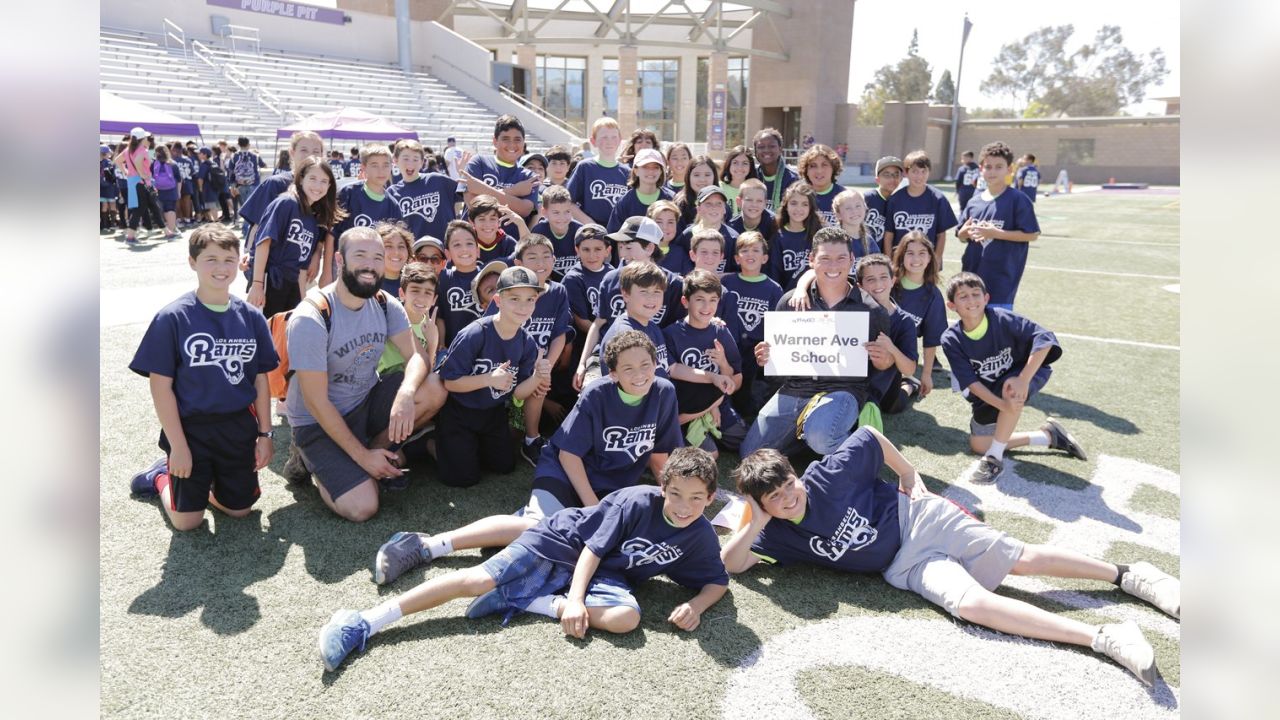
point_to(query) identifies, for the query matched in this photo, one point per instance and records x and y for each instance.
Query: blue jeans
(830, 422)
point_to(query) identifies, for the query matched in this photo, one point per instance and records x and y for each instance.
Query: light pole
(955, 102)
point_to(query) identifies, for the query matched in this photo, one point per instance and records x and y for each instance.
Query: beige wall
(1129, 153)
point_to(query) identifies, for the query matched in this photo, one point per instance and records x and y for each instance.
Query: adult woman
(141, 192)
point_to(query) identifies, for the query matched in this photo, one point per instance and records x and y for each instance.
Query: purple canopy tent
(117, 116)
(348, 124)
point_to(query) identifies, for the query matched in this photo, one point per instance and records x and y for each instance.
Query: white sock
(530, 440)
(381, 616)
(997, 449)
(436, 547)
(1039, 438)
(546, 605)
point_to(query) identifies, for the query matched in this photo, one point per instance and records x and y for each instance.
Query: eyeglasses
(433, 259)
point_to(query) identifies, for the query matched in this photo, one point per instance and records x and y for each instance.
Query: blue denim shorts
(522, 575)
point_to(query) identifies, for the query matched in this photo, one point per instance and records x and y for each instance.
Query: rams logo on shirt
(922, 221)
(642, 551)
(609, 192)
(593, 297)
(794, 261)
(299, 235)
(751, 311)
(994, 367)
(854, 532)
(460, 300)
(875, 224)
(484, 366)
(228, 354)
(635, 443)
(696, 359)
(424, 206)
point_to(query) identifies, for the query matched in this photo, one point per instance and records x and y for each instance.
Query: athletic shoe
(487, 604)
(989, 468)
(131, 240)
(532, 451)
(1060, 439)
(143, 484)
(295, 470)
(346, 631)
(1147, 582)
(403, 552)
(1124, 643)
(912, 387)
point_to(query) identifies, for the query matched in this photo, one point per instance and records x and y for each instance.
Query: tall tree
(1046, 79)
(910, 79)
(945, 91)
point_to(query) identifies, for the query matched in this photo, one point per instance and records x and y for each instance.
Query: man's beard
(358, 288)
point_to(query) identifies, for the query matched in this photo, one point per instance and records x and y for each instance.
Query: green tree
(1045, 78)
(910, 79)
(945, 91)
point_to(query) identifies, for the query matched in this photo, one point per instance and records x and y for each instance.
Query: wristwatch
(267, 434)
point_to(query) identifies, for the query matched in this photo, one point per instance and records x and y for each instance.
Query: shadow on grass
(1060, 407)
(210, 571)
(720, 635)
(1055, 493)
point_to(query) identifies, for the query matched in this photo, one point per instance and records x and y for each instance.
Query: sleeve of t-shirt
(1024, 215)
(858, 459)
(669, 437)
(460, 359)
(700, 565)
(903, 335)
(158, 351)
(397, 319)
(957, 358)
(266, 357)
(528, 359)
(578, 431)
(576, 289)
(934, 322)
(307, 340)
(604, 311)
(275, 223)
(475, 167)
(730, 346)
(1040, 337)
(563, 322)
(611, 528)
(344, 202)
(944, 217)
(577, 185)
(891, 225)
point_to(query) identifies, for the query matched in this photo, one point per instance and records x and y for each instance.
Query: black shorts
(332, 466)
(279, 299)
(469, 440)
(222, 461)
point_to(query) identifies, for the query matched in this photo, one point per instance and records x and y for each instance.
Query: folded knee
(621, 620)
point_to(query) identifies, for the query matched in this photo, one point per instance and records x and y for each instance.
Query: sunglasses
(433, 259)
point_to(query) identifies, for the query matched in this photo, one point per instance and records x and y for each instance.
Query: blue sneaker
(487, 604)
(346, 631)
(143, 484)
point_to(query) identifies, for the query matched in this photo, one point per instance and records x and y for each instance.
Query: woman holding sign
(822, 355)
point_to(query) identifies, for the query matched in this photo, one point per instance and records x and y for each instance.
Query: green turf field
(222, 621)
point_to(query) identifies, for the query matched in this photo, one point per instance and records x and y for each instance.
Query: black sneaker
(989, 468)
(912, 386)
(295, 470)
(532, 451)
(1060, 439)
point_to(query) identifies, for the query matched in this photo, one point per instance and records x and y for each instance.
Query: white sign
(821, 344)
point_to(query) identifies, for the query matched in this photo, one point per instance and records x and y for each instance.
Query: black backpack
(217, 176)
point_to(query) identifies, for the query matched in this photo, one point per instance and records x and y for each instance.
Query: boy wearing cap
(713, 204)
(888, 178)
(430, 251)
(425, 201)
(919, 206)
(537, 164)
(557, 223)
(638, 241)
(598, 182)
(490, 359)
(645, 188)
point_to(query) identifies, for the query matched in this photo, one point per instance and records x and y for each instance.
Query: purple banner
(280, 8)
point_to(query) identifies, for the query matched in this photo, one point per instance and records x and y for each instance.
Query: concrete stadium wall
(1128, 153)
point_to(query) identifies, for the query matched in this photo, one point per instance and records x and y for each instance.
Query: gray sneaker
(295, 470)
(1124, 643)
(403, 552)
(989, 468)
(1060, 439)
(1147, 582)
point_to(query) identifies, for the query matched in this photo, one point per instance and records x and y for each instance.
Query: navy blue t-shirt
(477, 350)
(487, 169)
(858, 251)
(352, 167)
(930, 213)
(1028, 180)
(293, 235)
(1001, 263)
(902, 332)
(826, 204)
(850, 522)
(565, 250)
(456, 303)
(727, 234)
(877, 220)
(583, 287)
(789, 257)
(633, 540)
(755, 298)
(426, 204)
(267, 191)
(688, 345)
(767, 226)
(550, 318)
(999, 354)
(630, 205)
(362, 210)
(926, 308)
(213, 357)
(504, 249)
(676, 259)
(610, 304)
(623, 323)
(775, 187)
(596, 188)
(339, 168)
(613, 439)
(966, 182)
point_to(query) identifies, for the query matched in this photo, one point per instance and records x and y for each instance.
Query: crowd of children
(609, 311)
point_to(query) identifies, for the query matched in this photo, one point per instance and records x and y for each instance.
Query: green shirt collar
(978, 332)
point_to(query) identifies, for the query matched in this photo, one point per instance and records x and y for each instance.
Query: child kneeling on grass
(840, 515)
(579, 565)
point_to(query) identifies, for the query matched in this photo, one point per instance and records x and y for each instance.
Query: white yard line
(1095, 272)
(1117, 341)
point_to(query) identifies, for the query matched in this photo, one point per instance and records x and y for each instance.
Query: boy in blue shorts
(918, 206)
(425, 201)
(207, 355)
(598, 182)
(997, 225)
(998, 361)
(491, 358)
(558, 225)
(500, 174)
(1028, 177)
(840, 515)
(757, 294)
(888, 178)
(578, 565)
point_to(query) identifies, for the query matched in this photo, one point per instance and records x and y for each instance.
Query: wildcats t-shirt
(1001, 352)
(1000, 263)
(596, 188)
(633, 540)
(456, 303)
(851, 520)
(550, 318)
(930, 213)
(613, 439)
(756, 297)
(213, 357)
(566, 252)
(478, 350)
(426, 204)
(363, 210)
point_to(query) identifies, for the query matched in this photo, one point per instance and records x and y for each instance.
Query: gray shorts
(946, 552)
(333, 467)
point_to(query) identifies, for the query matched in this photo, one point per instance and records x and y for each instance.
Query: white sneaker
(1124, 643)
(1147, 582)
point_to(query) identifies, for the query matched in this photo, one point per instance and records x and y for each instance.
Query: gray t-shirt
(349, 352)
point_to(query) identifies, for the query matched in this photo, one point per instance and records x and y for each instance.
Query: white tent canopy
(117, 115)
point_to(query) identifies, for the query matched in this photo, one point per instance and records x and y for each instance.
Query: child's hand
(799, 300)
(982, 232)
(542, 367)
(878, 349)
(244, 262)
(685, 617)
(574, 620)
(522, 188)
(723, 382)
(257, 296)
(263, 450)
(431, 333)
(578, 376)
(180, 461)
(716, 354)
(715, 414)
(501, 378)
(762, 353)
(1015, 390)
(963, 232)
(926, 384)
(400, 426)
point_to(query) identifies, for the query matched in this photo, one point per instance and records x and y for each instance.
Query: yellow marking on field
(1175, 205)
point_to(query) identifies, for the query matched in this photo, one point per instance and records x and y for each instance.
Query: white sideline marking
(1091, 241)
(1117, 341)
(1175, 288)
(1079, 271)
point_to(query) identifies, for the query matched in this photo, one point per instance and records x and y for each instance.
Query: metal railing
(248, 36)
(175, 33)
(240, 79)
(542, 113)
